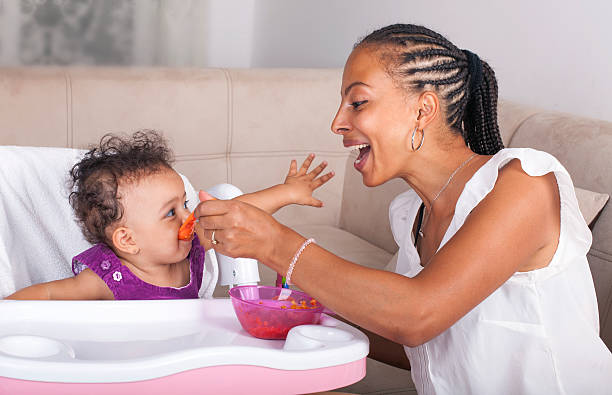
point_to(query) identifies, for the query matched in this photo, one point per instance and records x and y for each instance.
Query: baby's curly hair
(118, 159)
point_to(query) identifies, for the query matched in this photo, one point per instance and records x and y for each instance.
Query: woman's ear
(123, 240)
(429, 108)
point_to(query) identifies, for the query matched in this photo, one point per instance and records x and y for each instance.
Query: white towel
(38, 233)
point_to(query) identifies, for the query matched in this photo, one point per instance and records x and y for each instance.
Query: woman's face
(375, 116)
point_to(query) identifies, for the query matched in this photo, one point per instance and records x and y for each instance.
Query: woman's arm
(383, 350)
(516, 227)
(85, 286)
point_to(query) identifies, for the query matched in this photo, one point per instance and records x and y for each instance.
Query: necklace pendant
(421, 233)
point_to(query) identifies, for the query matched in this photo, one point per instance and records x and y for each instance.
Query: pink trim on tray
(229, 379)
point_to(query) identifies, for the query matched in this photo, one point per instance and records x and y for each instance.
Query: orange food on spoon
(187, 228)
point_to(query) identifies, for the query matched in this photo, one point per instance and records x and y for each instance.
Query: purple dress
(125, 285)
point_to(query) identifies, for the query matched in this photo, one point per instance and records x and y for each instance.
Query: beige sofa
(244, 126)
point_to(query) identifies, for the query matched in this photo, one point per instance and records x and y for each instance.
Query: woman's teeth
(362, 152)
(358, 147)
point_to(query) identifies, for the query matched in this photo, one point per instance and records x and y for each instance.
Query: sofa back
(244, 126)
(225, 126)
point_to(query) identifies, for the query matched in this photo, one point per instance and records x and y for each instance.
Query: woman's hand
(241, 230)
(301, 183)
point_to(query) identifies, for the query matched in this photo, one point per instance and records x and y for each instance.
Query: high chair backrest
(38, 233)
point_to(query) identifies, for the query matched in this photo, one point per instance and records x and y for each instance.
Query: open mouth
(362, 156)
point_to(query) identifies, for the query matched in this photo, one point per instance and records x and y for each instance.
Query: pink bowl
(262, 315)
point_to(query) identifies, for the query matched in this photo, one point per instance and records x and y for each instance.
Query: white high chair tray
(196, 344)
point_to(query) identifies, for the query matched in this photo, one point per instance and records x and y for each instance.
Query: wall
(553, 54)
(173, 33)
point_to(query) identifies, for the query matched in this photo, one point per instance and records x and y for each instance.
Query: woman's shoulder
(524, 189)
(514, 172)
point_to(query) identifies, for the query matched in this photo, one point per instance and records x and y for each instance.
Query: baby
(130, 203)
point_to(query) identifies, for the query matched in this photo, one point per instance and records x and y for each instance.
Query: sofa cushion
(33, 105)
(510, 116)
(281, 114)
(590, 204)
(339, 242)
(365, 210)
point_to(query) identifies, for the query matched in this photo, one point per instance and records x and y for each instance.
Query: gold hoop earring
(422, 138)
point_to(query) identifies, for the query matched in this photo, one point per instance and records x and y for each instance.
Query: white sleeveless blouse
(536, 334)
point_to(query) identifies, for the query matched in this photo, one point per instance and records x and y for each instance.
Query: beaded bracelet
(295, 258)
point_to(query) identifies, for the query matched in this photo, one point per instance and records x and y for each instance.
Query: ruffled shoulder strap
(534, 163)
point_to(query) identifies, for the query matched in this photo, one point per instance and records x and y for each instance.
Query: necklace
(446, 184)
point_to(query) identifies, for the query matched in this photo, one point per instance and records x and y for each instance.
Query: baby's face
(155, 208)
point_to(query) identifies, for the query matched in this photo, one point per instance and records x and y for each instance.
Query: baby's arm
(85, 286)
(297, 188)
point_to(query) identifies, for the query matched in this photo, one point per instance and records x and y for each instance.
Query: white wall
(230, 33)
(556, 55)
(195, 33)
(172, 33)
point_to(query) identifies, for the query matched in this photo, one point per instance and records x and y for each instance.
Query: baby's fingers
(322, 180)
(306, 164)
(317, 170)
(314, 202)
(292, 168)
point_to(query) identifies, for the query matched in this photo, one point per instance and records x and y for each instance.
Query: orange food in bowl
(262, 315)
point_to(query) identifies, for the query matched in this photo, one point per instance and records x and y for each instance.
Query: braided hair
(416, 57)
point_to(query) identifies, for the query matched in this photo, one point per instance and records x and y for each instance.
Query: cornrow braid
(417, 57)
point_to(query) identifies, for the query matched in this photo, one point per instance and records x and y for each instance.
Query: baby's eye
(185, 204)
(170, 213)
(357, 104)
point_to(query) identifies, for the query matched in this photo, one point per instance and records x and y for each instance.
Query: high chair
(125, 347)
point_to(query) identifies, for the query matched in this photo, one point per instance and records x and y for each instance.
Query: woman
(493, 292)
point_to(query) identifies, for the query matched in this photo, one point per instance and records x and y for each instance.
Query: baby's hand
(301, 183)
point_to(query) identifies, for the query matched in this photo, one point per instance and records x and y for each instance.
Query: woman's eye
(185, 204)
(357, 104)
(170, 213)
